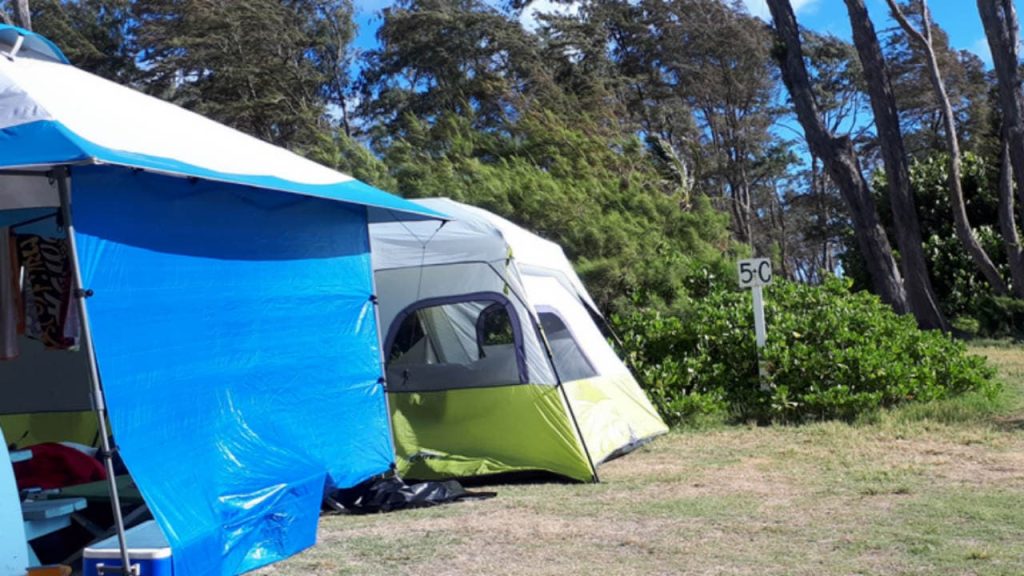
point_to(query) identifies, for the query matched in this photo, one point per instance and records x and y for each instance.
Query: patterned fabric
(49, 314)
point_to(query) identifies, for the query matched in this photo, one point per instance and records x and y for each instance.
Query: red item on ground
(56, 466)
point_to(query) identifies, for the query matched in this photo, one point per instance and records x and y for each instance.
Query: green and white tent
(494, 361)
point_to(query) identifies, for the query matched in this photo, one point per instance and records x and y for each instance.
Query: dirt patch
(976, 465)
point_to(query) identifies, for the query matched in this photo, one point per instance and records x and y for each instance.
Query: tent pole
(99, 404)
(380, 347)
(615, 336)
(558, 379)
(565, 396)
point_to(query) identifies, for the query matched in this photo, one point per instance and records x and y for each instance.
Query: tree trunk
(1000, 20)
(22, 15)
(740, 205)
(956, 193)
(920, 294)
(840, 160)
(1008, 224)
(819, 190)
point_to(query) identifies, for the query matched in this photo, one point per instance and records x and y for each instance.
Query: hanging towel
(47, 291)
(10, 313)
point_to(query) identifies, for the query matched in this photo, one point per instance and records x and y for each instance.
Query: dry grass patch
(927, 490)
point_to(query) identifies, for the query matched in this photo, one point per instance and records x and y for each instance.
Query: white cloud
(529, 18)
(982, 50)
(759, 8)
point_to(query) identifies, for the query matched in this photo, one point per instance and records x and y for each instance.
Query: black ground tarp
(389, 494)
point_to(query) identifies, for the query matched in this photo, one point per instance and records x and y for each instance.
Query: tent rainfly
(224, 288)
(494, 361)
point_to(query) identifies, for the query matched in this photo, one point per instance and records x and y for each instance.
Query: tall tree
(95, 35)
(923, 38)
(920, 294)
(461, 57)
(581, 50)
(1008, 222)
(608, 58)
(258, 66)
(1002, 29)
(837, 81)
(717, 59)
(966, 82)
(840, 158)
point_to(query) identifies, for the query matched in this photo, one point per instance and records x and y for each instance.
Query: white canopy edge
(112, 116)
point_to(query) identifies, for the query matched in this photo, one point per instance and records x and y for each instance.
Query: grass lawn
(930, 489)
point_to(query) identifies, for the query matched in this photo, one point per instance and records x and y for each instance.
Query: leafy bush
(963, 293)
(829, 354)
(1001, 317)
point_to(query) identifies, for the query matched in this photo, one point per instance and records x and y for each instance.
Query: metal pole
(99, 405)
(374, 300)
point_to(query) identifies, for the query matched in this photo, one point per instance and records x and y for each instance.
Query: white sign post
(755, 273)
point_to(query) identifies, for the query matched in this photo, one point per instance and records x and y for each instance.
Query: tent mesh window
(468, 344)
(567, 356)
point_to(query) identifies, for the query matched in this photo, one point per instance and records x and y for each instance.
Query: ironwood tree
(923, 39)
(920, 294)
(1002, 30)
(263, 66)
(840, 158)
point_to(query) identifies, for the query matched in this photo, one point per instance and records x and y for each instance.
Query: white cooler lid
(145, 542)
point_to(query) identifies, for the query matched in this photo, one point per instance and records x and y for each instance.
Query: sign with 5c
(755, 272)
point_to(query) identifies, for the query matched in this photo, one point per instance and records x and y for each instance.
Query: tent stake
(99, 404)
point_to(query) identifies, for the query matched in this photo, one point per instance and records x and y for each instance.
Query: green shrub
(967, 325)
(829, 354)
(1001, 317)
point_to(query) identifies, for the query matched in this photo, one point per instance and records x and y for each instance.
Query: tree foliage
(268, 68)
(651, 138)
(605, 202)
(441, 57)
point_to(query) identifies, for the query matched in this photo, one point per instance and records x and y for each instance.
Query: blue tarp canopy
(232, 312)
(238, 349)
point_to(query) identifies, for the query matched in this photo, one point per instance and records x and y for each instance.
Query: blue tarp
(238, 351)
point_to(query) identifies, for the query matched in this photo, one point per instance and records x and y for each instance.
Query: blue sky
(958, 17)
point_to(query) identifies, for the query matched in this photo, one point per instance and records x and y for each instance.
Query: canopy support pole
(380, 349)
(99, 404)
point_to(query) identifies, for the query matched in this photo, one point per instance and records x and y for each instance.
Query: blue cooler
(147, 549)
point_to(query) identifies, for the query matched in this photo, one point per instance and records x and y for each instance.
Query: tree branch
(916, 35)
